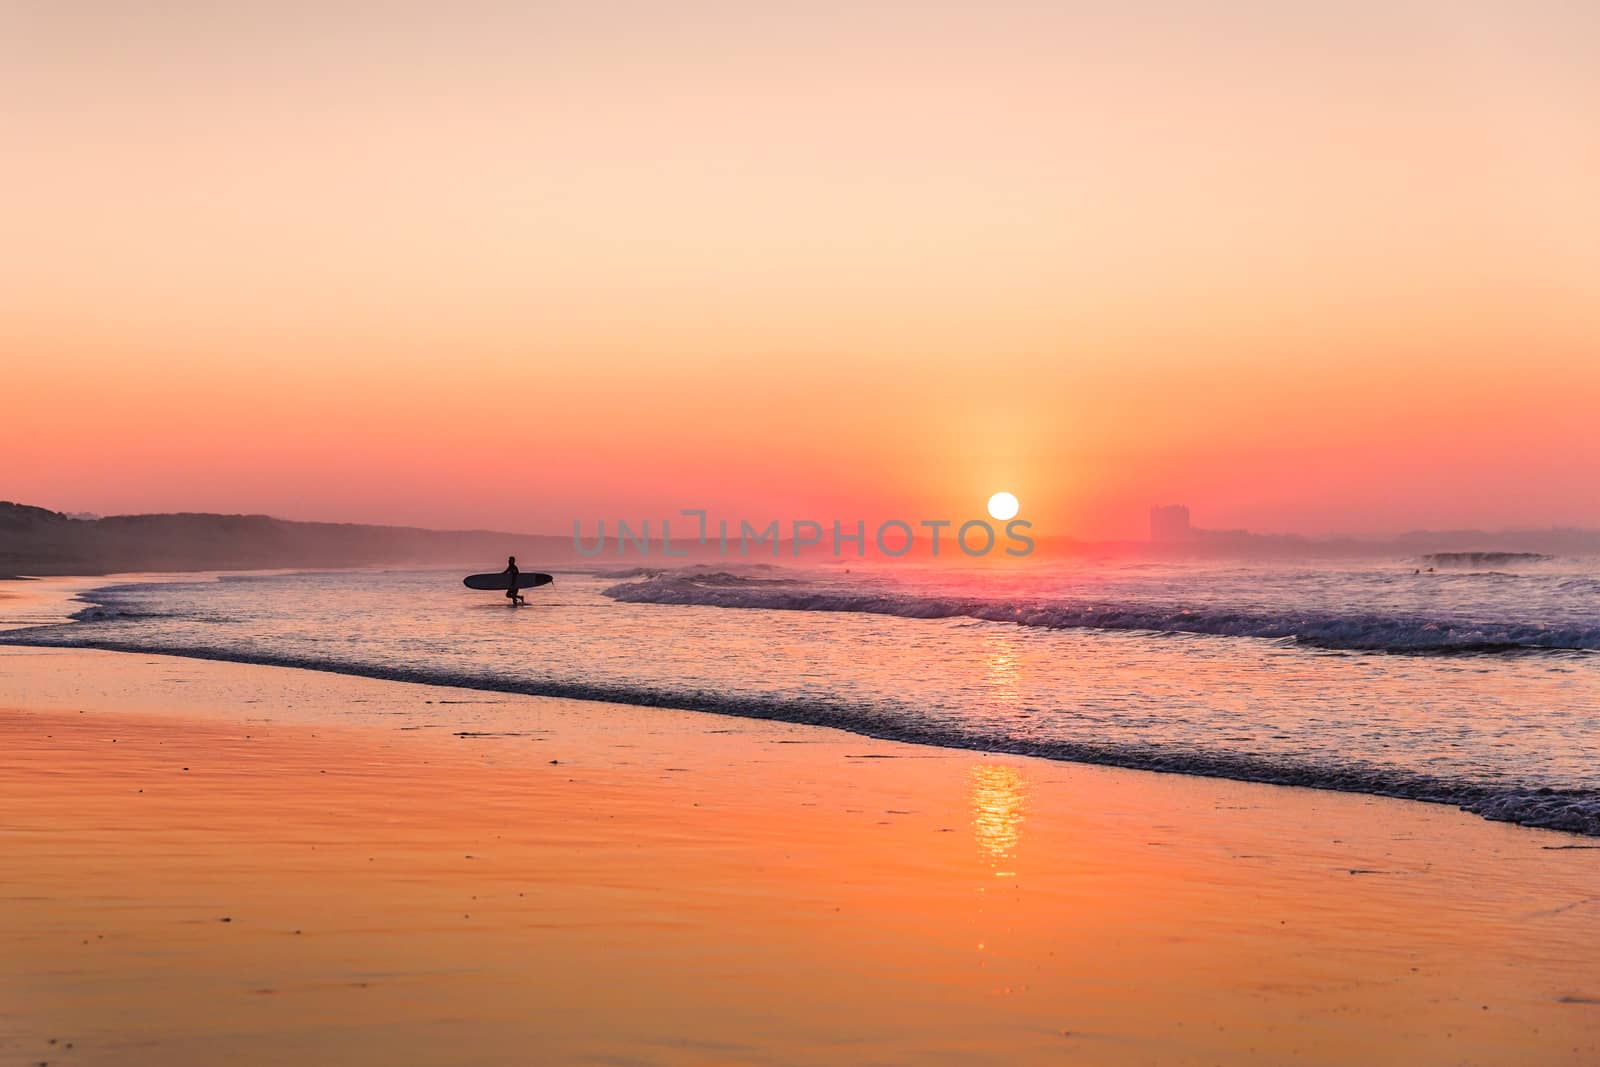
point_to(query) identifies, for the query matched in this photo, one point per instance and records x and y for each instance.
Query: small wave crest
(631, 572)
(1352, 633)
(1476, 560)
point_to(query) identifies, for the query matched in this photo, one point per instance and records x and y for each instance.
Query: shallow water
(1474, 688)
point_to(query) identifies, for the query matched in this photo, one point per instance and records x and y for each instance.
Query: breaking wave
(1476, 560)
(1345, 632)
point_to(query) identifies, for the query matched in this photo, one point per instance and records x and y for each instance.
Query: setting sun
(1003, 506)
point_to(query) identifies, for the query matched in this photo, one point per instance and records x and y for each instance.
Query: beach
(218, 862)
(760, 534)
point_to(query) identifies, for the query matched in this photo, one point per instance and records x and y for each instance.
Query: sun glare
(1003, 506)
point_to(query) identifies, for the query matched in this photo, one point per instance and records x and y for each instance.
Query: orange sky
(1329, 270)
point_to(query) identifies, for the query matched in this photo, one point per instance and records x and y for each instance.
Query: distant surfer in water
(512, 574)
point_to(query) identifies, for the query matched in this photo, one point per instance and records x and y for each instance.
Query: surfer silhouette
(512, 574)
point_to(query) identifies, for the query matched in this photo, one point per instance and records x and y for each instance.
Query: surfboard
(525, 580)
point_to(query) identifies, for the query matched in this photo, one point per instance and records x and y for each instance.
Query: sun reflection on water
(999, 800)
(1003, 668)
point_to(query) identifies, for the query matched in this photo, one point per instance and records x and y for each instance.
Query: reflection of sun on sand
(214, 863)
(998, 800)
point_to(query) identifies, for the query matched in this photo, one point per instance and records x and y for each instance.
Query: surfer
(512, 575)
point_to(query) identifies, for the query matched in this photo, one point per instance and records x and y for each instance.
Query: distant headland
(38, 542)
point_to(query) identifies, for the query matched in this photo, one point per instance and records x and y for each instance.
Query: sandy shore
(44, 601)
(210, 863)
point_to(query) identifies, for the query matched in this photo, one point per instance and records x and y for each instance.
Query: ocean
(1476, 684)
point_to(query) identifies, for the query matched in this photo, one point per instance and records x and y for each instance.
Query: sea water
(1476, 685)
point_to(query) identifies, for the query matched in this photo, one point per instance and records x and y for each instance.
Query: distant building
(1170, 523)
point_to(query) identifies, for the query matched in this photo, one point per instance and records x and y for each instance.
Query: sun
(1003, 506)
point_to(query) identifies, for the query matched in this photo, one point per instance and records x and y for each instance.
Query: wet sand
(208, 862)
(41, 601)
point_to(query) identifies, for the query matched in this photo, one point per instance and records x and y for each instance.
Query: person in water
(512, 574)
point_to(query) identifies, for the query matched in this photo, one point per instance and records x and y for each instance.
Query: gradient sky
(1311, 268)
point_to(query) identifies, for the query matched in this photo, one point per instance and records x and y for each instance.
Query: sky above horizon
(1322, 269)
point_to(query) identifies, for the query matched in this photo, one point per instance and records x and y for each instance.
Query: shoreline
(1527, 808)
(872, 900)
(1566, 811)
(46, 601)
